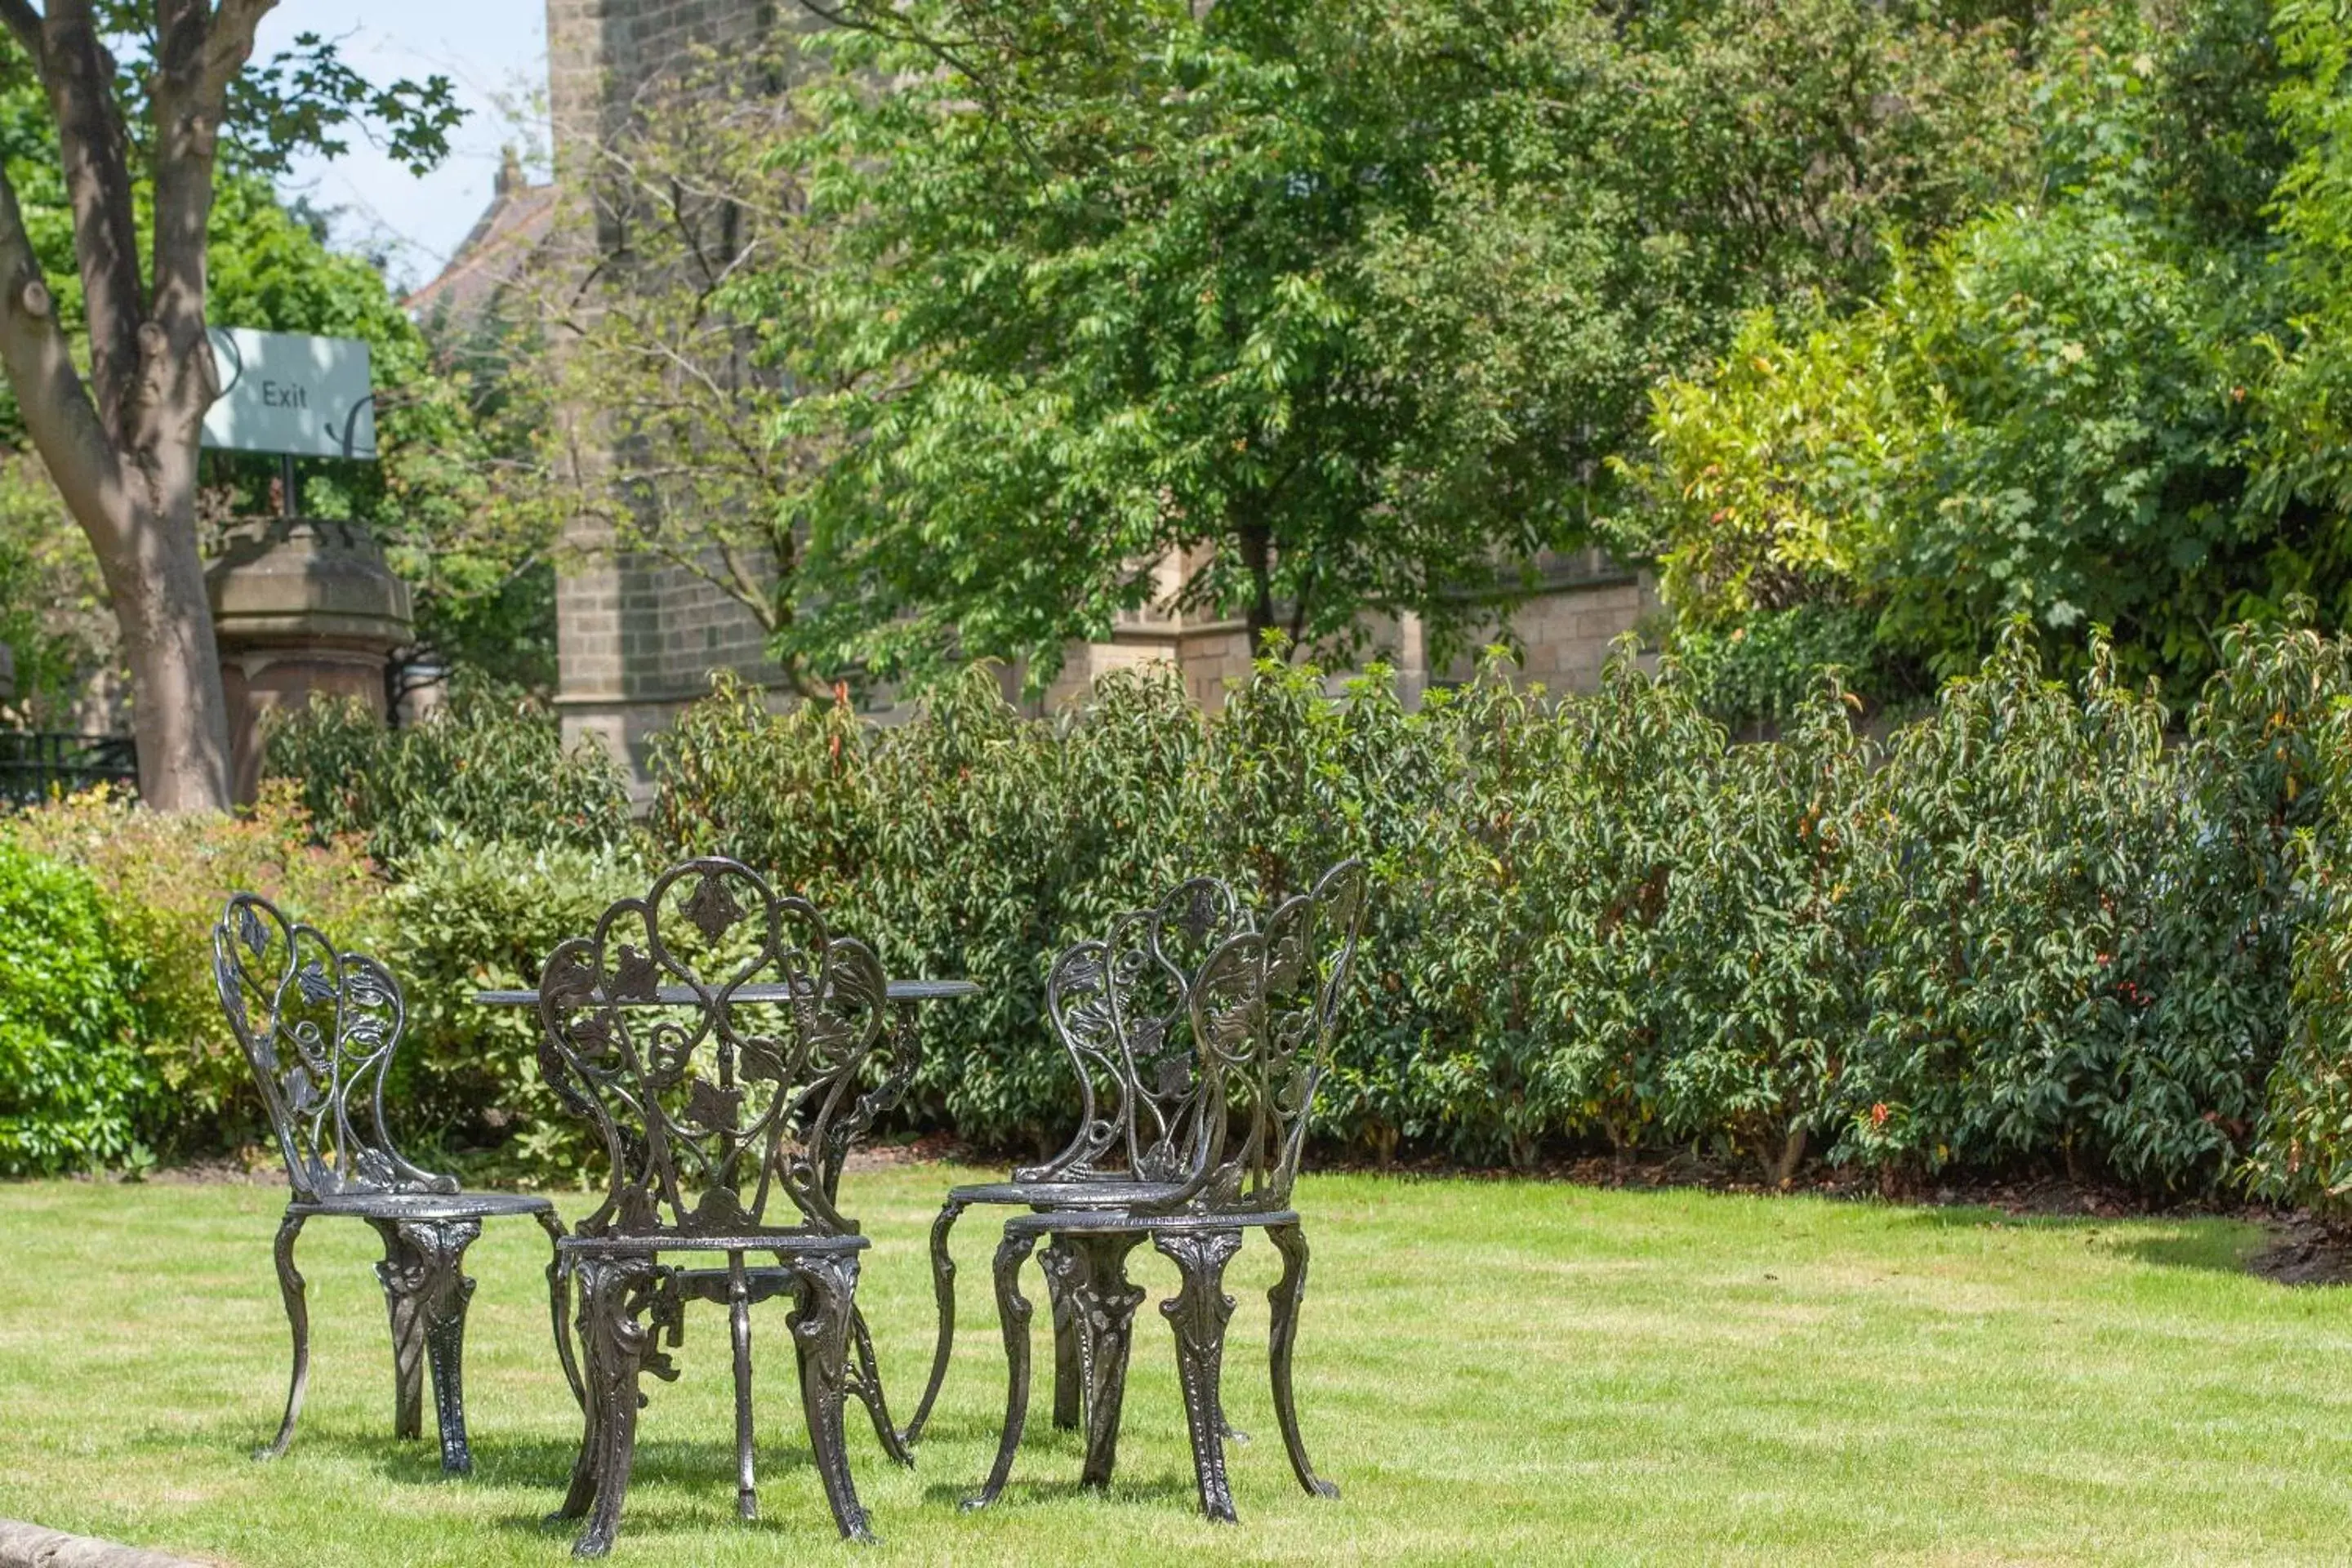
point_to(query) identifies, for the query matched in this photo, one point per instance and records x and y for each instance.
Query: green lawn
(1492, 1371)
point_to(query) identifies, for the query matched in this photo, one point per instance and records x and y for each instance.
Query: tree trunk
(122, 446)
(1257, 556)
(1782, 1168)
(179, 713)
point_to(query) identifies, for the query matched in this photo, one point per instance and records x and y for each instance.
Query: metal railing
(42, 764)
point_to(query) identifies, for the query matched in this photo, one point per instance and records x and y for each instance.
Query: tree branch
(79, 76)
(55, 403)
(228, 44)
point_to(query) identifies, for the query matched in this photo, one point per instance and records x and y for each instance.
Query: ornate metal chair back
(713, 1033)
(1157, 956)
(1264, 1017)
(1120, 1008)
(318, 1028)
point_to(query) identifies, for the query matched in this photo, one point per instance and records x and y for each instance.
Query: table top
(897, 990)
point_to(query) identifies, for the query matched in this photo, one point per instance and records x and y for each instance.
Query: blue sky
(495, 53)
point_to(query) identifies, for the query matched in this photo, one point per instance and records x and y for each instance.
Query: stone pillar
(299, 606)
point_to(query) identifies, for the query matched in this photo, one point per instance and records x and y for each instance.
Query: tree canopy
(1338, 305)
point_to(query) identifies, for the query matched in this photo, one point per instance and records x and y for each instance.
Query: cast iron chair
(713, 1034)
(1118, 1006)
(1262, 1009)
(319, 1028)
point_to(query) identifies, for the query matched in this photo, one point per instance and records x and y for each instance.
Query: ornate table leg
(1199, 1313)
(426, 1288)
(297, 1317)
(943, 1270)
(1065, 1266)
(1104, 1302)
(827, 1288)
(739, 1323)
(1012, 1316)
(1289, 1291)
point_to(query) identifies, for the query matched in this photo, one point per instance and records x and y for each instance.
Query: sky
(494, 51)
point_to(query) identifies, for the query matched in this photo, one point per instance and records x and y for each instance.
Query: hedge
(2045, 925)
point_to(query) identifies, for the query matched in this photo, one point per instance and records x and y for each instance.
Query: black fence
(42, 764)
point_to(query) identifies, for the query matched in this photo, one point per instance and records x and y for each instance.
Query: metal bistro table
(905, 1056)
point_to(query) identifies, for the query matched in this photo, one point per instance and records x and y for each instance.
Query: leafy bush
(163, 880)
(478, 917)
(75, 1088)
(2014, 877)
(2037, 925)
(1767, 914)
(489, 766)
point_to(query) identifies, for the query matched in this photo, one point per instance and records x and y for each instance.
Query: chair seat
(1095, 1195)
(423, 1205)
(642, 1245)
(1105, 1220)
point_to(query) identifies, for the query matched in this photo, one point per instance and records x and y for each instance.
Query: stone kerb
(30, 1546)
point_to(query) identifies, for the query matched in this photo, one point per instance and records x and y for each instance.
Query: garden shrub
(1768, 917)
(2013, 874)
(489, 765)
(472, 917)
(75, 1087)
(163, 880)
(1637, 756)
(784, 792)
(2035, 926)
(1294, 776)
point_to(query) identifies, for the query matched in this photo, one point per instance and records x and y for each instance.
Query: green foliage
(1343, 304)
(472, 915)
(2014, 866)
(489, 765)
(2027, 929)
(75, 1089)
(2103, 405)
(1769, 932)
(788, 791)
(162, 880)
(1763, 668)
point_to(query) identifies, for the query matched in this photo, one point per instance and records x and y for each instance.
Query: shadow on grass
(2216, 1246)
(1162, 1488)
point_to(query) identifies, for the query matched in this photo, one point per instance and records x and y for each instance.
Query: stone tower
(637, 640)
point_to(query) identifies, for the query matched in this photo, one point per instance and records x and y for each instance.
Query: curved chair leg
(1104, 1302)
(1198, 1314)
(558, 1301)
(1289, 1291)
(426, 1291)
(867, 1383)
(943, 1271)
(827, 1295)
(738, 1322)
(297, 1317)
(1064, 1266)
(616, 1348)
(1012, 1316)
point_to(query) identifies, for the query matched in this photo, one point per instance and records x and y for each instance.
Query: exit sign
(291, 392)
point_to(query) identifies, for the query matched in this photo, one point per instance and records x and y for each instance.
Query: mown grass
(1492, 1371)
